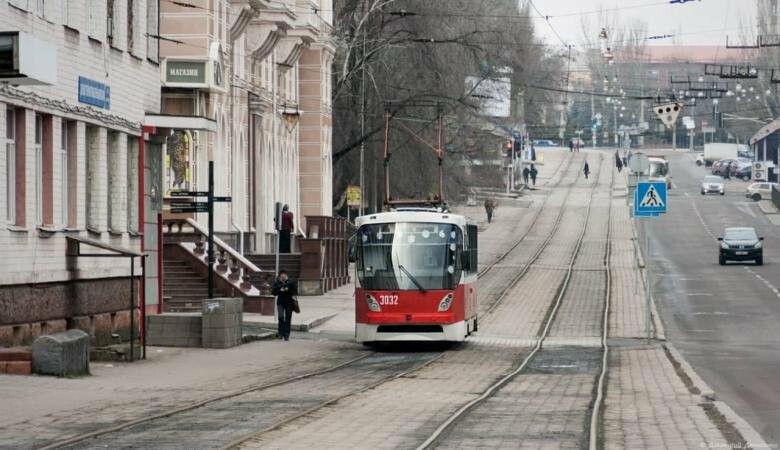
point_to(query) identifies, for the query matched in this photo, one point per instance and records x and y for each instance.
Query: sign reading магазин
(185, 72)
(94, 93)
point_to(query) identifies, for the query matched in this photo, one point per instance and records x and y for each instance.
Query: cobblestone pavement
(217, 423)
(47, 409)
(398, 414)
(648, 406)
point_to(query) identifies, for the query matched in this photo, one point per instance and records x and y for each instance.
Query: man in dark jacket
(526, 173)
(285, 291)
(533, 172)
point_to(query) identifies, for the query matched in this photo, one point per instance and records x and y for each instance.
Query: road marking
(701, 219)
(766, 282)
(712, 313)
(699, 294)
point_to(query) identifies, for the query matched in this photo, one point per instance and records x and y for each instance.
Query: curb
(751, 436)
(706, 391)
(304, 326)
(660, 333)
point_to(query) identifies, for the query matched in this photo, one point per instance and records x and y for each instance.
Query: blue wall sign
(94, 93)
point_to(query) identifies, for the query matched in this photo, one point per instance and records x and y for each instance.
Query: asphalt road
(725, 320)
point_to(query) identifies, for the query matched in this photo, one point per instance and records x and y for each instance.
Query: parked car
(736, 164)
(740, 244)
(544, 143)
(746, 153)
(760, 191)
(700, 159)
(712, 184)
(744, 173)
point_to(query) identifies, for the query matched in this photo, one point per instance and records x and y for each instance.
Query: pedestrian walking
(285, 291)
(526, 173)
(577, 146)
(571, 145)
(618, 162)
(489, 206)
(586, 170)
(727, 172)
(533, 172)
(288, 226)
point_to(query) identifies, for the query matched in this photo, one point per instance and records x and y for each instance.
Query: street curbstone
(677, 358)
(752, 438)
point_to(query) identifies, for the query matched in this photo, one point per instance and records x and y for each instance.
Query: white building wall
(38, 255)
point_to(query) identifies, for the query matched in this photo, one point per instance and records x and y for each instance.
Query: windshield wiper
(411, 277)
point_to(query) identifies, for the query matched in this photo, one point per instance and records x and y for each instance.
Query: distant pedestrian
(625, 160)
(727, 172)
(489, 206)
(288, 226)
(285, 291)
(571, 145)
(533, 172)
(586, 170)
(618, 162)
(526, 173)
(577, 146)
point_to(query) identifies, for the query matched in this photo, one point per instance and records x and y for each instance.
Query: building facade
(72, 166)
(261, 70)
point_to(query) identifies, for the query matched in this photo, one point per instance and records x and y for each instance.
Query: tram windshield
(409, 256)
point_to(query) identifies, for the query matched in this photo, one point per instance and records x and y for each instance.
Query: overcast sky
(698, 22)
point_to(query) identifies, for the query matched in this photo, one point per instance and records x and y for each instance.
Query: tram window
(391, 255)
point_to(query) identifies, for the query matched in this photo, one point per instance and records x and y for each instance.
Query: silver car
(712, 185)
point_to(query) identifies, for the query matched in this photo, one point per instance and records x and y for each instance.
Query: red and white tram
(416, 276)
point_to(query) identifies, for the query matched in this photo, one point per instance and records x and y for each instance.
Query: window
(72, 16)
(152, 30)
(10, 165)
(39, 169)
(42, 9)
(132, 183)
(110, 21)
(117, 179)
(93, 178)
(62, 218)
(130, 24)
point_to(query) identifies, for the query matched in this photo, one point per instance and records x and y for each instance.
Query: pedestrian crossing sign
(650, 199)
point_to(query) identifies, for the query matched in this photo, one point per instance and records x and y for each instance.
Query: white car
(760, 191)
(712, 184)
(700, 159)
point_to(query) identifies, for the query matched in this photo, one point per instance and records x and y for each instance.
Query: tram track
(445, 427)
(481, 274)
(88, 439)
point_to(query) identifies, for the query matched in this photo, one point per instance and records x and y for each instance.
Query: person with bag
(285, 291)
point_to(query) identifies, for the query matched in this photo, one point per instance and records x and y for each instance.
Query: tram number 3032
(388, 299)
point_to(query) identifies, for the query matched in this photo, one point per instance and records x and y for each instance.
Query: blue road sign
(650, 199)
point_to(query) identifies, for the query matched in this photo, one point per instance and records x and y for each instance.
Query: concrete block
(61, 354)
(221, 324)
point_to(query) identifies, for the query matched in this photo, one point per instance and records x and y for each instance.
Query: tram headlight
(373, 305)
(446, 302)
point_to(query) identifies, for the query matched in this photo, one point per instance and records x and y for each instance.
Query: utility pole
(641, 139)
(362, 129)
(593, 128)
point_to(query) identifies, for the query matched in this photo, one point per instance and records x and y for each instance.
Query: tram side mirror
(465, 261)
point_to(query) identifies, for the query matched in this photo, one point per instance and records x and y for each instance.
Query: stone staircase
(183, 287)
(291, 262)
